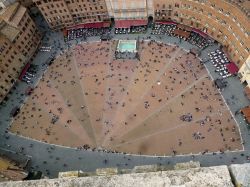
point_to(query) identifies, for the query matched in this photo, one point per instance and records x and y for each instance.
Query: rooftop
(10, 18)
(10, 170)
(13, 14)
(9, 32)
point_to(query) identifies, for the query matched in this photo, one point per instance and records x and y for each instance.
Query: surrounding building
(5, 3)
(225, 21)
(19, 39)
(65, 13)
(130, 9)
(27, 3)
(244, 73)
(164, 10)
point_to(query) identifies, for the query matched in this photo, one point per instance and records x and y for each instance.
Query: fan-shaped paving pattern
(134, 106)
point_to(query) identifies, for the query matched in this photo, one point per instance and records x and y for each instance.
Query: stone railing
(183, 174)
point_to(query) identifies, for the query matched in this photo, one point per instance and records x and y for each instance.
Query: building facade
(226, 22)
(19, 39)
(26, 3)
(5, 3)
(222, 21)
(244, 72)
(88, 11)
(65, 13)
(165, 10)
(130, 9)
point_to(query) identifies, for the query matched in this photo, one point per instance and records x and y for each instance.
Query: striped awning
(25, 69)
(199, 32)
(232, 68)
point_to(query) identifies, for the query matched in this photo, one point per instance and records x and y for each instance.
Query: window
(220, 10)
(228, 14)
(223, 22)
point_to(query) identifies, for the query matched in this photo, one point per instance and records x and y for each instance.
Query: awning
(65, 32)
(182, 33)
(139, 22)
(184, 27)
(129, 23)
(232, 68)
(167, 22)
(122, 24)
(199, 32)
(91, 25)
(26, 67)
(106, 24)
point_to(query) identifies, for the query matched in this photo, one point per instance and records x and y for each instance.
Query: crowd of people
(131, 30)
(158, 29)
(163, 29)
(83, 33)
(193, 38)
(199, 41)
